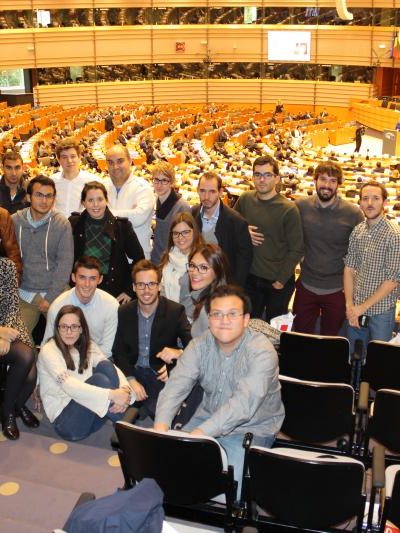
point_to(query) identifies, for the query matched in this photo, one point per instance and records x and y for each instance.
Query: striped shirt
(374, 254)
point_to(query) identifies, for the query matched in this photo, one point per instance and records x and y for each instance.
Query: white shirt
(101, 314)
(68, 197)
(134, 200)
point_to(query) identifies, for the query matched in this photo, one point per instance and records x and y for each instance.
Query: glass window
(12, 79)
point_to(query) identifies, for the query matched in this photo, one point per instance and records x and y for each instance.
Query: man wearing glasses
(277, 236)
(169, 203)
(130, 196)
(238, 370)
(45, 241)
(147, 337)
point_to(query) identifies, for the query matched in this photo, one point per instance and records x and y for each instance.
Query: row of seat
(283, 488)
(337, 402)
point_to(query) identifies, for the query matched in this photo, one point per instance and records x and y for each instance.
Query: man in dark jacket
(12, 189)
(222, 225)
(147, 336)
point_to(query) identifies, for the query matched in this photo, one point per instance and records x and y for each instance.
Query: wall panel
(180, 91)
(127, 44)
(258, 92)
(67, 95)
(17, 49)
(124, 93)
(71, 46)
(54, 47)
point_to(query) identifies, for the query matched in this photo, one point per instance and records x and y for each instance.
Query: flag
(396, 45)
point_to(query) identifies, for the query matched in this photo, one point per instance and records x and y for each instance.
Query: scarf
(162, 209)
(172, 272)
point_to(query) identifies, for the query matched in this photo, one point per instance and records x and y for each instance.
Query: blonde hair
(164, 168)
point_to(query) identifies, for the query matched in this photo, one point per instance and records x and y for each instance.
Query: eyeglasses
(156, 181)
(184, 233)
(49, 196)
(201, 269)
(219, 315)
(265, 175)
(141, 285)
(74, 327)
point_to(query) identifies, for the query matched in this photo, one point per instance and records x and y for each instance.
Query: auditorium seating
(315, 357)
(302, 489)
(189, 470)
(320, 416)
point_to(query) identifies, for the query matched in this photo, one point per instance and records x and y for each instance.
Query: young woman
(208, 268)
(98, 233)
(79, 387)
(17, 359)
(184, 237)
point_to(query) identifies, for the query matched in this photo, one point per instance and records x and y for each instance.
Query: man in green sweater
(277, 236)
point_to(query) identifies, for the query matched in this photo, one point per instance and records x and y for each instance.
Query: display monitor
(291, 46)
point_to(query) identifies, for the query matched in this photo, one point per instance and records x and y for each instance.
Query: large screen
(292, 46)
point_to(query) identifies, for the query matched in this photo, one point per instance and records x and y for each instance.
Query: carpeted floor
(41, 478)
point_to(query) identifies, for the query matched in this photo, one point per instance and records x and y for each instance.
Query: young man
(12, 184)
(147, 336)
(70, 180)
(277, 236)
(99, 307)
(169, 203)
(372, 270)
(238, 370)
(130, 196)
(222, 225)
(327, 222)
(44, 237)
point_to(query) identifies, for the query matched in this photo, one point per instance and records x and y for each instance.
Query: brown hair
(144, 265)
(82, 344)
(164, 168)
(93, 186)
(66, 144)
(218, 261)
(333, 170)
(374, 183)
(186, 217)
(12, 156)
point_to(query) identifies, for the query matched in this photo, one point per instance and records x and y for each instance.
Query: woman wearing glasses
(208, 268)
(80, 388)
(17, 359)
(112, 240)
(184, 237)
(169, 204)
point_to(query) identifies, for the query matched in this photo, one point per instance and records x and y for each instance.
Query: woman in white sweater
(80, 388)
(184, 237)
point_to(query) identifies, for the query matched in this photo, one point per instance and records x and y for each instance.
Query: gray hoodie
(47, 253)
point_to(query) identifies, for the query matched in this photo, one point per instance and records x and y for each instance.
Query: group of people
(167, 328)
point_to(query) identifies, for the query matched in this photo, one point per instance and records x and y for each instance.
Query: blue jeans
(379, 328)
(233, 445)
(77, 422)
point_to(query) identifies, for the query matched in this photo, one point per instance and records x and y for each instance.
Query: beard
(325, 195)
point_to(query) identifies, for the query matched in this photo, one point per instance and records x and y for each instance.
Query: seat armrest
(378, 467)
(362, 404)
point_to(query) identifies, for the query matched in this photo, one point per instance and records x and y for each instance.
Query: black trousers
(266, 299)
